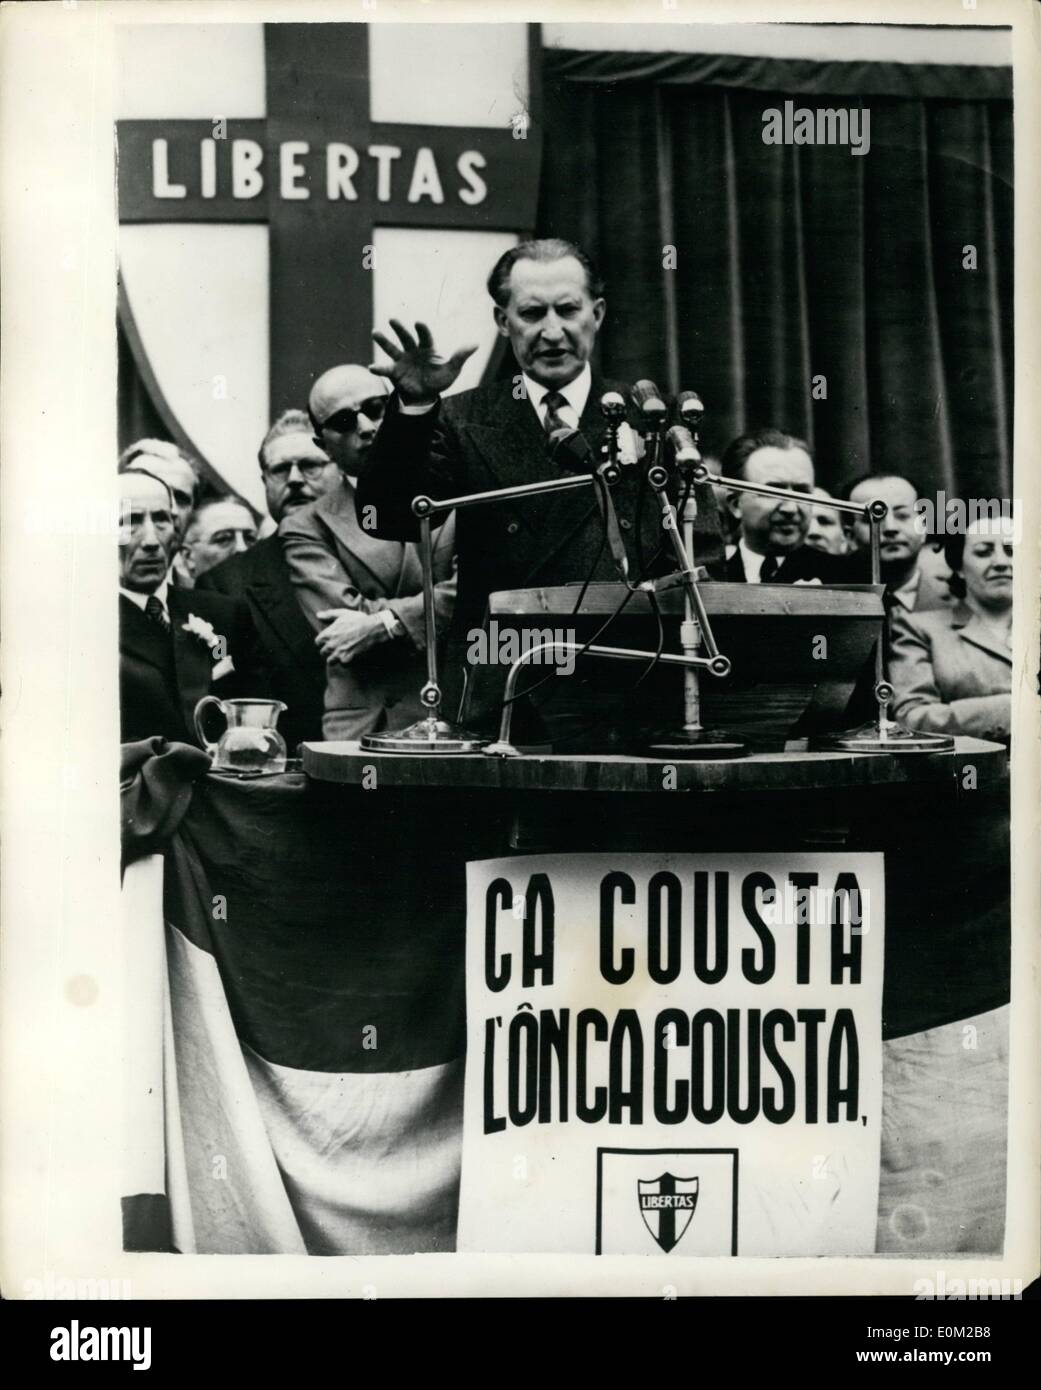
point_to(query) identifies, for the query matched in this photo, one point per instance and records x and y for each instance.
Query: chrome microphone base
(881, 737)
(429, 735)
(689, 745)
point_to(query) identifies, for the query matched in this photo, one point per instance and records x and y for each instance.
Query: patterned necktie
(553, 400)
(768, 571)
(155, 614)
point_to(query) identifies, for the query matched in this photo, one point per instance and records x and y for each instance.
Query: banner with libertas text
(676, 1054)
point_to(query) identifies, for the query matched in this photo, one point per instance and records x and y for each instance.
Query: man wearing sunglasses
(296, 472)
(362, 595)
(346, 406)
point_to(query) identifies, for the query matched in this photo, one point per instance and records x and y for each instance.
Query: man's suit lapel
(550, 516)
(368, 559)
(734, 569)
(141, 638)
(513, 447)
(509, 439)
(193, 662)
(275, 607)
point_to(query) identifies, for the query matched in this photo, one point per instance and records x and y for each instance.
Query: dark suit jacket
(163, 676)
(260, 578)
(804, 563)
(485, 439)
(333, 562)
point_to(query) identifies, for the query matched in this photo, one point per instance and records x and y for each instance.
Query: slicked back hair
(144, 473)
(740, 450)
(543, 249)
(289, 422)
(876, 476)
(142, 449)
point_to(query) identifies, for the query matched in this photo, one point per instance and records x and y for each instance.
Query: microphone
(690, 409)
(648, 401)
(612, 405)
(571, 450)
(685, 451)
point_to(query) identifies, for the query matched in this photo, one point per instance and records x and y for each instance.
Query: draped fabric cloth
(294, 1019)
(795, 263)
(294, 1036)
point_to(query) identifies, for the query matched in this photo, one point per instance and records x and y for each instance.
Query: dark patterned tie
(553, 401)
(155, 614)
(768, 572)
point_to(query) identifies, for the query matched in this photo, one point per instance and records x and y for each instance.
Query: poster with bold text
(675, 1054)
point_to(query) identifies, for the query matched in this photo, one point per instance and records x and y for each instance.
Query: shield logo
(667, 1206)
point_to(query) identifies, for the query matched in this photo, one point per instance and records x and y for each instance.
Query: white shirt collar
(908, 591)
(576, 392)
(751, 562)
(142, 599)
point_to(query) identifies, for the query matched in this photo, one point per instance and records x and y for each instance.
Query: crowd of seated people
(306, 607)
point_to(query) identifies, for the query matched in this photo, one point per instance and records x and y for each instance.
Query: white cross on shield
(667, 1205)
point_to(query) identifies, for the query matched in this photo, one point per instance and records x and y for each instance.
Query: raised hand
(416, 370)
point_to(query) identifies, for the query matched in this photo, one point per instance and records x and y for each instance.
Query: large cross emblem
(322, 175)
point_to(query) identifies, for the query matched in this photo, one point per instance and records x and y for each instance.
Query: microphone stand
(692, 740)
(880, 735)
(432, 733)
(504, 748)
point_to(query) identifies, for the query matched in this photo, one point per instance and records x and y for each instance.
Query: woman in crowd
(952, 667)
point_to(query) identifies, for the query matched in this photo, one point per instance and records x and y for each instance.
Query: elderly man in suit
(183, 476)
(174, 645)
(548, 302)
(361, 595)
(296, 472)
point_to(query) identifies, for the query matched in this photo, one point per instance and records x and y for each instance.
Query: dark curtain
(796, 262)
(138, 417)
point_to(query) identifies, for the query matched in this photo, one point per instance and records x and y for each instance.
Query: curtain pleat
(822, 292)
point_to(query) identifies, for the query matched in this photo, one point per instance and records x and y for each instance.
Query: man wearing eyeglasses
(218, 529)
(362, 596)
(296, 472)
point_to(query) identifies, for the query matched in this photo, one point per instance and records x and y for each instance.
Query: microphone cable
(630, 590)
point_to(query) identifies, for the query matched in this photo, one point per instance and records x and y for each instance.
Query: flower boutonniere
(218, 645)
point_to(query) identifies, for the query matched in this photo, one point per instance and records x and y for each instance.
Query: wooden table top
(347, 763)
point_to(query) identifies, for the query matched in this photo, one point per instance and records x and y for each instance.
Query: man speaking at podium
(548, 302)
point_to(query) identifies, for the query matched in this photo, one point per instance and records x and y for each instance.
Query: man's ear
(501, 322)
(599, 311)
(733, 504)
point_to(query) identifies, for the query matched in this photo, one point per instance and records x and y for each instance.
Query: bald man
(374, 645)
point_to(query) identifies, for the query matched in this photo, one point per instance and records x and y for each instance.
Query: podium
(796, 652)
(935, 828)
